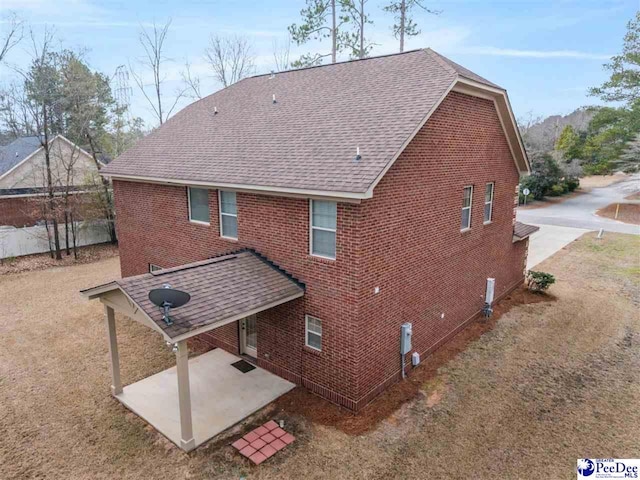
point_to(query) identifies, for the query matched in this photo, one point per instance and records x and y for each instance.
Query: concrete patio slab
(548, 240)
(221, 396)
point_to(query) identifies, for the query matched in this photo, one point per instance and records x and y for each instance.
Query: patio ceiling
(223, 290)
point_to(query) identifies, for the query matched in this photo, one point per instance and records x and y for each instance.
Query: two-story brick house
(386, 187)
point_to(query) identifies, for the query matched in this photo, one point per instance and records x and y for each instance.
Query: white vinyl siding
(228, 214)
(467, 200)
(198, 205)
(488, 202)
(313, 332)
(324, 221)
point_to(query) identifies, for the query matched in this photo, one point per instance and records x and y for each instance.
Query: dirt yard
(627, 212)
(547, 383)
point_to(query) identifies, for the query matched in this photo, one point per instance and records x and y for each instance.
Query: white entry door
(249, 336)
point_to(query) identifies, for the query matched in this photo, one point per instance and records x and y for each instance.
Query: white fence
(16, 242)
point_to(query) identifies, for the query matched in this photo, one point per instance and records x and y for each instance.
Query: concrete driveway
(580, 211)
(562, 223)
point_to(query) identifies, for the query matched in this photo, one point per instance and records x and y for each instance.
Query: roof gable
(17, 151)
(306, 141)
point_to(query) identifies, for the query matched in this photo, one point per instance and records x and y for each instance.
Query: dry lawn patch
(549, 383)
(597, 181)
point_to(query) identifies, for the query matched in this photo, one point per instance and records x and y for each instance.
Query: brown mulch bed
(41, 261)
(628, 212)
(301, 401)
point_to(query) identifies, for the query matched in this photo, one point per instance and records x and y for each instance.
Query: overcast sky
(545, 53)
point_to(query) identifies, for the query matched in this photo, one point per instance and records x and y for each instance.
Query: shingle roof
(522, 230)
(220, 289)
(13, 153)
(306, 140)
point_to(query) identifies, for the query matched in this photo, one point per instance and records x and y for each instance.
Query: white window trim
(470, 207)
(199, 222)
(493, 191)
(312, 228)
(220, 213)
(306, 333)
(154, 268)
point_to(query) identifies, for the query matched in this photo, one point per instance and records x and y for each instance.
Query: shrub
(539, 281)
(572, 183)
(556, 190)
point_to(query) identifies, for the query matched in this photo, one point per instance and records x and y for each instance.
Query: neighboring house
(382, 190)
(23, 175)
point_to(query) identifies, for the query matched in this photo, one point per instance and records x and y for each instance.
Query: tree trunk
(73, 237)
(108, 201)
(334, 33)
(66, 232)
(51, 198)
(361, 28)
(403, 10)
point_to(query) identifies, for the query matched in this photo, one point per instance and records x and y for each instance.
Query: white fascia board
(502, 94)
(348, 197)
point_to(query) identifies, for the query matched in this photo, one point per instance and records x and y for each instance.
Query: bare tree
(11, 36)
(230, 58)
(152, 42)
(191, 82)
(405, 26)
(281, 54)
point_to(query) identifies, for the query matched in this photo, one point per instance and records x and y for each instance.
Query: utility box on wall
(405, 338)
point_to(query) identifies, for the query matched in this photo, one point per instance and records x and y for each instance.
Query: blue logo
(585, 467)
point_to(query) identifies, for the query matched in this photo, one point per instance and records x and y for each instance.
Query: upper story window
(154, 268)
(323, 228)
(467, 199)
(198, 205)
(488, 202)
(228, 214)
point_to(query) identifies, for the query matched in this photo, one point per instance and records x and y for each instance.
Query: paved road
(579, 212)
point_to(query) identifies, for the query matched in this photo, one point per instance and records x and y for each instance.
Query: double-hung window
(323, 228)
(198, 205)
(488, 202)
(313, 332)
(467, 199)
(228, 214)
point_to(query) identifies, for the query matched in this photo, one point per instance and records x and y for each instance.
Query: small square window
(198, 205)
(313, 332)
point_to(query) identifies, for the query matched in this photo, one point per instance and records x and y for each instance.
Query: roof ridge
(342, 62)
(438, 58)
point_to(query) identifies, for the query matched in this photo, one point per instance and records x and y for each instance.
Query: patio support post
(116, 383)
(187, 442)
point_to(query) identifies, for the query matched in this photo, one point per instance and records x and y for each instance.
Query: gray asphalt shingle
(220, 288)
(308, 138)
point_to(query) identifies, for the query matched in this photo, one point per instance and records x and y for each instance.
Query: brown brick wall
(26, 211)
(405, 240)
(153, 227)
(411, 243)
(18, 211)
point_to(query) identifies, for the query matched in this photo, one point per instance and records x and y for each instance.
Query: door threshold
(249, 358)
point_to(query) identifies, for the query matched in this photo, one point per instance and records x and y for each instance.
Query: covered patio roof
(223, 290)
